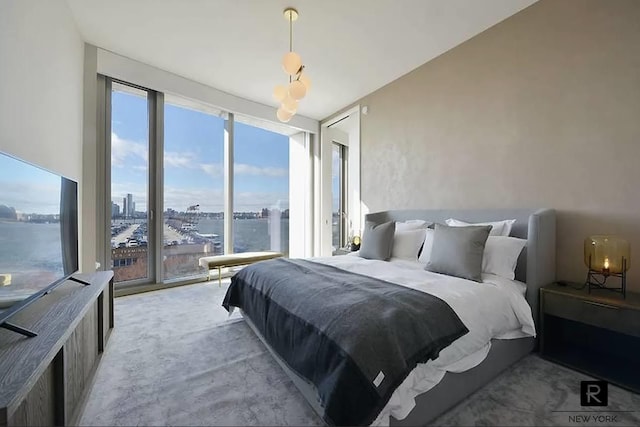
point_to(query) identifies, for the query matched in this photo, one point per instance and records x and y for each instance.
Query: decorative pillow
(377, 240)
(498, 228)
(425, 255)
(458, 251)
(501, 256)
(406, 244)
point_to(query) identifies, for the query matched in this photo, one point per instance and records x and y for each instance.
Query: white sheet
(495, 308)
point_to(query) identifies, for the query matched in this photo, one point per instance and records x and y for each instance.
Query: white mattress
(493, 309)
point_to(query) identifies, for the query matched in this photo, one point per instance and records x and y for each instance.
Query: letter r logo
(594, 393)
(593, 390)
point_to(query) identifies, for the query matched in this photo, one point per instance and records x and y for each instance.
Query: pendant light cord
(290, 35)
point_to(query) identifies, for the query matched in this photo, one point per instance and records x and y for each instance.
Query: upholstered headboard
(537, 263)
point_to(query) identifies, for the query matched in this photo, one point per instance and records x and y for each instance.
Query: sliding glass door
(129, 183)
(193, 188)
(261, 190)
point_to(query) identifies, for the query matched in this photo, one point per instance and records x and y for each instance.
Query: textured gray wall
(541, 110)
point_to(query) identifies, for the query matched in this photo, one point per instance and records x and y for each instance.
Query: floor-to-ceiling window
(170, 164)
(261, 189)
(193, 187)
(129, 183)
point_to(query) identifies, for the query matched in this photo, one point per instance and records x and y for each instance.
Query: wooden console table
(44, 380)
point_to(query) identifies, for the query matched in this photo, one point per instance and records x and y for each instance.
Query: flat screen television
(38, 234)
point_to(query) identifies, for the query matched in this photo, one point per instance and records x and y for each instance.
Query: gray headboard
(537, 263)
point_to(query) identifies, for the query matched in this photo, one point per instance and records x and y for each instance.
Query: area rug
(176, 358)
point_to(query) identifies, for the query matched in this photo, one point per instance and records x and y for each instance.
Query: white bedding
(495, 308)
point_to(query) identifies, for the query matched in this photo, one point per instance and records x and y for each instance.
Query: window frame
(103, 125)
(343, 197)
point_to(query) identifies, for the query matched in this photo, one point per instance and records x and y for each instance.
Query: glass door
(129, 171)
(193, 187)
(261, 190)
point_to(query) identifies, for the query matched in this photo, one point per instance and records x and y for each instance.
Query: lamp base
(597, 280)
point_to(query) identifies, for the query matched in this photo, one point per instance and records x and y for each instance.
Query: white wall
(92, 244)
(41, 92)
(300, 205)
(41, 66)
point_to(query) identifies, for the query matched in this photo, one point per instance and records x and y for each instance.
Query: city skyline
(116, 209)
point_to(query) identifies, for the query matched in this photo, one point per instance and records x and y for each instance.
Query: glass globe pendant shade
(606, 254)
(283, 116)
(289, 105)
(304, 78)
(291, 63)
(279, 92)
(297, 89)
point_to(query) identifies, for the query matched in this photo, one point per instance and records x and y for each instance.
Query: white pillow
(425, 255)
(411, 224)
(406, 244)
(498, 228)
(501, 254)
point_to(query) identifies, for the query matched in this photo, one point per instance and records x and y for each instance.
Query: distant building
(130, 205)
(115, 210)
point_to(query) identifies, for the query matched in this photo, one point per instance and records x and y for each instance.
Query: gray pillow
(377, 240)
(457, 251)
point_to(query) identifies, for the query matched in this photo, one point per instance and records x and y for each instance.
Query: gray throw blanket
(354, 337)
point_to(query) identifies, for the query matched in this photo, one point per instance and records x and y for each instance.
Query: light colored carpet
(536, 392)
(175, 358)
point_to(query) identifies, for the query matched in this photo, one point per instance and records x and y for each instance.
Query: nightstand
(597, 333)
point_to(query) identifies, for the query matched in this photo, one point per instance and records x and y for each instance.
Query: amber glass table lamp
(607, 257)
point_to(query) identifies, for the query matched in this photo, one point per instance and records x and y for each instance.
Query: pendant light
(299, 83)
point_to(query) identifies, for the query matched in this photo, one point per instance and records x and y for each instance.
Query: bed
(429, 389)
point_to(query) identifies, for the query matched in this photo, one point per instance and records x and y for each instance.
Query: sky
(28, 188)
(193, 159)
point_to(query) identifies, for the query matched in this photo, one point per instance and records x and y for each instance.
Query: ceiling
(350, 48)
